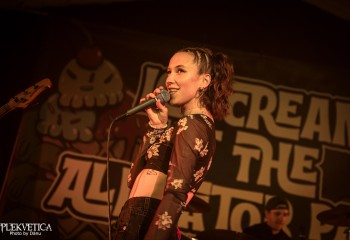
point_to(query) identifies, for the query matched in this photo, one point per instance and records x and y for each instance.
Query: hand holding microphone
(158, 116)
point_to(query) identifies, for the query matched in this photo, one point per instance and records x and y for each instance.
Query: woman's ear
(206, 79)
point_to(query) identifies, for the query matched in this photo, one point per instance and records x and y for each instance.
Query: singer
(173, 160)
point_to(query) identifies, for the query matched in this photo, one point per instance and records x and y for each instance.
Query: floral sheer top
(184, 152)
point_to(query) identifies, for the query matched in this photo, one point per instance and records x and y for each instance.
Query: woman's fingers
(157, 114)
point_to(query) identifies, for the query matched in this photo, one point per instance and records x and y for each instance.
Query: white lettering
(257, 144)
(342, 124)
(317, 120)
(226, 195)
(316, 227)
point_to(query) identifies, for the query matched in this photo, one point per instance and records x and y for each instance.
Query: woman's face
(183, 81)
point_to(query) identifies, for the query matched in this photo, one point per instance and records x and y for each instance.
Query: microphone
(163, 96)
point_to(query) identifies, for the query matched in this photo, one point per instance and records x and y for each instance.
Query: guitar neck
(23, 99)
(5, 109)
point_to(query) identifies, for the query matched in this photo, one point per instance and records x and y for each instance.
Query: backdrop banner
(288, 134)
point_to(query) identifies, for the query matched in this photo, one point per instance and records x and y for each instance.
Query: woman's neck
(197, 110)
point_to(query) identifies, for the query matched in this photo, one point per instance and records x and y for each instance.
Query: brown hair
(219, 66)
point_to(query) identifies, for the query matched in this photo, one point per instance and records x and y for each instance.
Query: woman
(173, 160)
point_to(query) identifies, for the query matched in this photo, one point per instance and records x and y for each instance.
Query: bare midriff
(149, 183)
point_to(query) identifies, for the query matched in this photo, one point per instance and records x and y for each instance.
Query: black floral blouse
(184, 152)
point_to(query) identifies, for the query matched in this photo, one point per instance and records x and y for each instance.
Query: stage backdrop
(288, 134)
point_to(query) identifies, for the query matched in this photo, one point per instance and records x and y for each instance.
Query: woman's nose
(169, 80)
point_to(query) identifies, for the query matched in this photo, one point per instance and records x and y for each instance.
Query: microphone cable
(107, 176)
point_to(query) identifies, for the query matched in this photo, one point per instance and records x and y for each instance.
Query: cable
(108, 188)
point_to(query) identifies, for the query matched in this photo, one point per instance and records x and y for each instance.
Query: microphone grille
(163, 96)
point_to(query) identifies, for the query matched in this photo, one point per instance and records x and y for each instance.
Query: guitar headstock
(23, 99)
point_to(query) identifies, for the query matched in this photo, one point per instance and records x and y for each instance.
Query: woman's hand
(158, 116)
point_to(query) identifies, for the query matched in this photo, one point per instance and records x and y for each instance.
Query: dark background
(294, 30)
